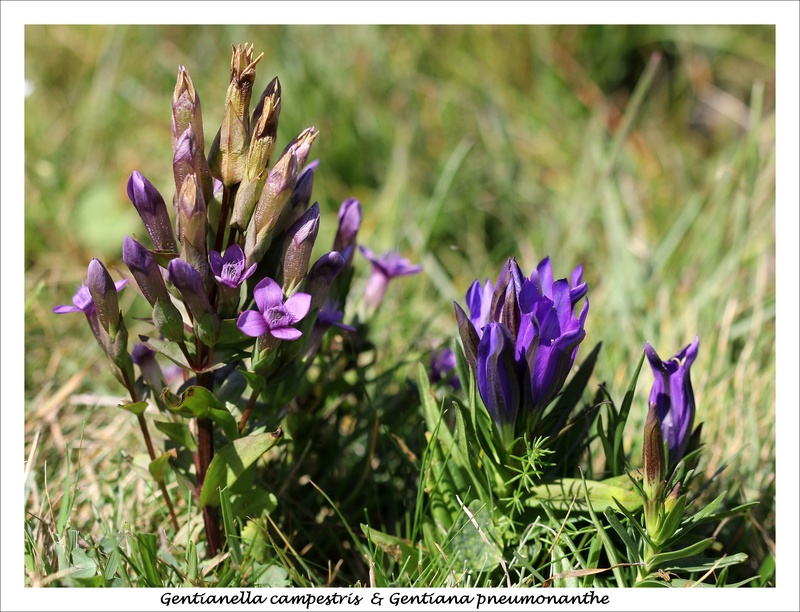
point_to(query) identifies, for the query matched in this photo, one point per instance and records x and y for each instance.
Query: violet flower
(385, 267)
(673, 396)
(229, 269)
(532, 320)
(274, 316)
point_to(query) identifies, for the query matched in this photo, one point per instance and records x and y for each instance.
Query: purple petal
(267, 294)
(65, 308)
(215, 261)
(298, 305)
(233, 254)
(286, 333)
(121, 284)
(252, 323)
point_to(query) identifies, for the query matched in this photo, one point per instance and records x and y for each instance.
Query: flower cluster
(520, 339)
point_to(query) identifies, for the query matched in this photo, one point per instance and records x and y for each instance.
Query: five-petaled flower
(385, 267)
(274, 316)
(229, 269)
(673, 396)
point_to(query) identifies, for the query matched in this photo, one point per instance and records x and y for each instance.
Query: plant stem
(248, 409)
(148, 441)
(203, 458)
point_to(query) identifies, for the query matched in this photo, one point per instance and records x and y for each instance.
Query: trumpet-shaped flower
(673, 396)
(229, 269)
(521, 338)
(274, 316)
(385, 267)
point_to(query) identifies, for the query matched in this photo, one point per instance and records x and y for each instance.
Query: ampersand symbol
(376, 599)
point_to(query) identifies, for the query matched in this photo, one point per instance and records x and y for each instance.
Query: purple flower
(274, 316)
(82, 300)
(385, 267)
(443, 363)
(479, 299)
(673, 396)
(532, 320)
(498, 378)
(229, 269)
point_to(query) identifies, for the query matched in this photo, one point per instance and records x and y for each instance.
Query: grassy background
(466, 145)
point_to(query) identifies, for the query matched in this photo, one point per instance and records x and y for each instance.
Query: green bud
(277, 189)
(247, 196)
(228, 155)
(193, 227)
(265, 129)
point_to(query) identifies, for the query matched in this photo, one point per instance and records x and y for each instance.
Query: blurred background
(645, 153)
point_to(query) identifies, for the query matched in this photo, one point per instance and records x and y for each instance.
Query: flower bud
(321, 277)
(190, 284)
(264, 129)
(279, 184)
(349, 222)
(193, 226)
(297, 249)
(469, 336)
(186, 113)
(653, 454)
(299, 198)
(228, 155)
(301, 145)
(148, 276)
(498, 380)
(153, 211)
(104, 295)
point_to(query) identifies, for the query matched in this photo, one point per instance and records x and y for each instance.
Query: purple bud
(190, 284)
(104, 295)
(299, 243)
(498, 380)
(153, 211)
(349, 222)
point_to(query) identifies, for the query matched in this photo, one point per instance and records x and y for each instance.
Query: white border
(16, 14)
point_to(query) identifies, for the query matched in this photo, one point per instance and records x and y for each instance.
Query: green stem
(148, 441)
(203, 457)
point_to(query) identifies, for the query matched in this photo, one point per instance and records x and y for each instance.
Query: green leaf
(199, 402)
(561, 494)
(136, 408)
(147, 548)
(708, 510)
(683, 553)
(619, 425)
(171, 351)
(231, 461)
(702, 564)
(229, 524)
(616, 524)
(399, 549)
(158, 467)
(476, 553)
(82, 565)
(275, 577)
(561, 570)
(254, 380)
(177, 432)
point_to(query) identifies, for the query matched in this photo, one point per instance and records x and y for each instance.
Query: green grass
(465, 145)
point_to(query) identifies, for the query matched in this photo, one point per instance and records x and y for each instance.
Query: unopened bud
(189, 282)
(153, 211)
(264, 129)
(186, 112)
(297, 249)
(193, 226)
(653, 454)
(228, 156)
